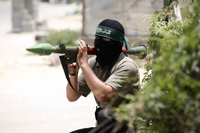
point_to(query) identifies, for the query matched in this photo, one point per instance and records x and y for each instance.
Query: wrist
(74, 79)
(75, 75)
(85, 65)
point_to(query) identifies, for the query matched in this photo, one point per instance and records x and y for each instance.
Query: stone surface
(24, 15)
(135, 15)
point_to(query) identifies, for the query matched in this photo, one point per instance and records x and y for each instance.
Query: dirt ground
(32, 93)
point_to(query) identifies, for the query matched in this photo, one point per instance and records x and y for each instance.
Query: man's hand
(71, 94)
(82, 57)
(82, 60)
(73, 68)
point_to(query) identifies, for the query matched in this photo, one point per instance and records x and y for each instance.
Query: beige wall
(24, 15)
(135, 15)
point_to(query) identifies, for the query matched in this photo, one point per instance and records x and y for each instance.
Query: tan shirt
(126, 67)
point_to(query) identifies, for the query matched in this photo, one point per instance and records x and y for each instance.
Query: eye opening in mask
(102, 38)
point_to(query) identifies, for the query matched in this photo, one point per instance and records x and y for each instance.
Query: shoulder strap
(65, 68)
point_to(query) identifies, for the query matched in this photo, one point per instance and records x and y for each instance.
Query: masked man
(105, 74)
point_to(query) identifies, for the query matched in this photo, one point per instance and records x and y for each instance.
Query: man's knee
(105, 115)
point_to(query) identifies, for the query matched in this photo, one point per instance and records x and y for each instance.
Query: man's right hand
(73, 69)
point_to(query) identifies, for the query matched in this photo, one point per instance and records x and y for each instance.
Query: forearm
(71, 94)
(101, 90)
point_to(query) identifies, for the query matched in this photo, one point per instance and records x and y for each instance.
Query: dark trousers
(105, 123)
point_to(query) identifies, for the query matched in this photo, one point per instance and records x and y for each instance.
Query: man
(104, 74)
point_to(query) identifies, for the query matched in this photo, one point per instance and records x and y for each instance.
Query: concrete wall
(135, 15)
(24, 15)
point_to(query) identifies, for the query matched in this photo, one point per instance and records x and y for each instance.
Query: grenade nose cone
(35, 49)
(30, 49)
(42, 49)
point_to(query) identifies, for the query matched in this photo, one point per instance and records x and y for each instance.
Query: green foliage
(160, 28)
(67, 37)
(169, 101)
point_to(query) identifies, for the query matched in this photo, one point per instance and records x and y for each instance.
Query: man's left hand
(82, 57)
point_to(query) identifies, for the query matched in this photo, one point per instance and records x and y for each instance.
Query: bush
(67, 37)
(169, 101)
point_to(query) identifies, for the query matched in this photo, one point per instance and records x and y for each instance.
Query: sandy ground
(32, 93)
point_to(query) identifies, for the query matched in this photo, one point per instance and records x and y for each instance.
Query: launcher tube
(47, 49)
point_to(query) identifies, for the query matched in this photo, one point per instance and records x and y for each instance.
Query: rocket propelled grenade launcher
(47, 49)
(71, 52)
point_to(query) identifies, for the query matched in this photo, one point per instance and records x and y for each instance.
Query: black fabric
(114, 24)
(107, 123)
(104, 114)
(107, 51)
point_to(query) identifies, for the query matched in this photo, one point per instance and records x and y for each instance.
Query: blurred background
(32, 87)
